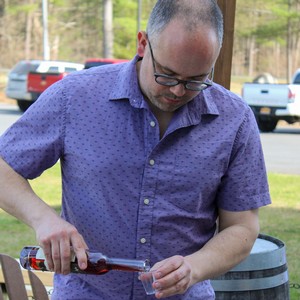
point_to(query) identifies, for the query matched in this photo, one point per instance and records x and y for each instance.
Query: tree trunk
(28, 34)
(251, 55)
(2, 8)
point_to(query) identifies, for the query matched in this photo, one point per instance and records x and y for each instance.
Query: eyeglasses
(166, 80)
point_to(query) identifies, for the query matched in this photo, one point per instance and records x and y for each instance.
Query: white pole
(108, 29)
(139, 12)
(138, 19)
(45, 31)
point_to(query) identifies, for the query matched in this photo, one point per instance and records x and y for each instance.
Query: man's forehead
(186, 53)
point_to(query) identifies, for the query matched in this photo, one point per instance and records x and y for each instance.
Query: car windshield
(297, 79)
(24, 67)
(95, 64)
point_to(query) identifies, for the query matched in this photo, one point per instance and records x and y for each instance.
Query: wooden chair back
(14, 284)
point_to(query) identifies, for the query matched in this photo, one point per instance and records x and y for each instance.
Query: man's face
(176, 53)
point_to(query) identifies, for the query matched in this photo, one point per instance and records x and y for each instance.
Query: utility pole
(138, 20)
(289, 44)
(45, 30)
(139, 12)
(107, 28)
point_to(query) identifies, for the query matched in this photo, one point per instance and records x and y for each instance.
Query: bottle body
(33, 258)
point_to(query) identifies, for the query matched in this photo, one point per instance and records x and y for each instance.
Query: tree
(267, 36)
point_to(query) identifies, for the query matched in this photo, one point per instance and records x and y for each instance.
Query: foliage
(125, 38)
(266, 32)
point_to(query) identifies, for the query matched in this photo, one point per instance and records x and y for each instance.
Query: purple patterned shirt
(128, 192)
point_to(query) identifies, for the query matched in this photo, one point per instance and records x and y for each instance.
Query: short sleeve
(245, 184)
(35, 142)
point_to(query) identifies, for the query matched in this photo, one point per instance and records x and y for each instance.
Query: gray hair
(193, 13)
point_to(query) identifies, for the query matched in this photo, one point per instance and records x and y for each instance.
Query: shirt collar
(127, 87)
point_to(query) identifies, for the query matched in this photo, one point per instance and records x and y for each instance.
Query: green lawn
(280, 220)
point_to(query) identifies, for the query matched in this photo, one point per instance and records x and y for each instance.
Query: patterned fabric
(128, 192)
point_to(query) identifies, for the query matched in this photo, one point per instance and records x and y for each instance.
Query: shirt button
(151, 162)
(152, 124)
(146, 201)
(143, 240)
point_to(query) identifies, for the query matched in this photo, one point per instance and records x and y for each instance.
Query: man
(153, 156)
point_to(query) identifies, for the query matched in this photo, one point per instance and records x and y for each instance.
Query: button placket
(148, 190)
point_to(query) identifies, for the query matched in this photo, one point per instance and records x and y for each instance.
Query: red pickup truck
(47, 73)
(38, 82)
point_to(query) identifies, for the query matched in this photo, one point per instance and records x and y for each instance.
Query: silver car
(17, 82)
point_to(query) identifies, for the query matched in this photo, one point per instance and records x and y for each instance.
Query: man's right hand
(56, 237)
(54, 234)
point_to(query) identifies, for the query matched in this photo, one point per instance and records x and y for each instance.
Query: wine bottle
(33, 258)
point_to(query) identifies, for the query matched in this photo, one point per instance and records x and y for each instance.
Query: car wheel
(267, 125)
(23, 104)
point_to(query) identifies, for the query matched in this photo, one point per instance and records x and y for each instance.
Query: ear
(142, 42)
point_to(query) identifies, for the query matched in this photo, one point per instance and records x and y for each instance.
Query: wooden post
(222, 72)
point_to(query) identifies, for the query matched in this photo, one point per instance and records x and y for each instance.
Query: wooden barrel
(262, 275)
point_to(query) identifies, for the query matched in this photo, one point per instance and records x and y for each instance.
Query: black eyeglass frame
(202, 85)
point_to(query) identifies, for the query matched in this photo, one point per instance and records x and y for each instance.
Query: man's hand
(56, 237)
(172, 276)
(237, 234)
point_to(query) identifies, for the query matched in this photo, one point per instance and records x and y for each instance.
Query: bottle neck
(133, 265)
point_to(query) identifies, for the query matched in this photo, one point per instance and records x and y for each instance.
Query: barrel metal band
(240, 285)
(263, 261)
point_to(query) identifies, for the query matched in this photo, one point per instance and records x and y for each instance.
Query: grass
(280, 220)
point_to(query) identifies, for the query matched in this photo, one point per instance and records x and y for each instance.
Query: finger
(65, 256)
(168, 266)
(171, 279)
(177, 288)
(46, 246)
(80, 249)
(56, 258)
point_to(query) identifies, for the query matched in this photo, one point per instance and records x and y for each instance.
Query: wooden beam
(222, 73)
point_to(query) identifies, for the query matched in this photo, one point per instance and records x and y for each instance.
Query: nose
(178, 90)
